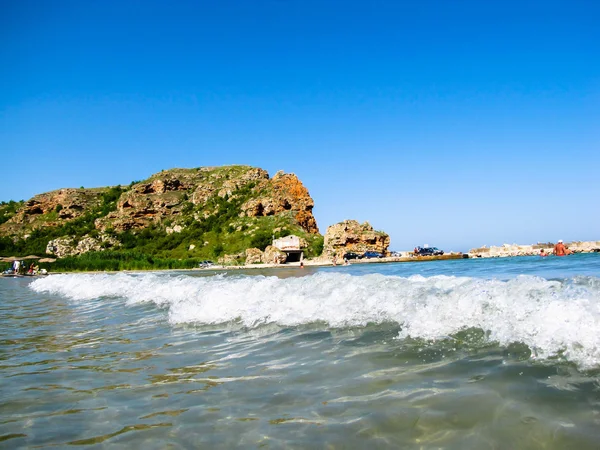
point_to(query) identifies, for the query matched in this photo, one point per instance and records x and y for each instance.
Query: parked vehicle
(351, 255)
(428, 251)
(205, 264)
(369, 255)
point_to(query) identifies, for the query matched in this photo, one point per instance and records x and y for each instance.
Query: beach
(325, 262)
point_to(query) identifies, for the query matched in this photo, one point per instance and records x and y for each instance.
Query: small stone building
(291, 246)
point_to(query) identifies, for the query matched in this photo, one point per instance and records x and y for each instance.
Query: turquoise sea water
(462, 354)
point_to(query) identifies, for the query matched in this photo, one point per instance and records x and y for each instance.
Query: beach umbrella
(10, 259)
(47, 260)
(30, 257)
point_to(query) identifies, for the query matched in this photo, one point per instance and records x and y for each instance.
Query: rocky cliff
(350, 236)
(171, 194)
(283, 193)
(180, 193)
(205, 206)
(51, 209)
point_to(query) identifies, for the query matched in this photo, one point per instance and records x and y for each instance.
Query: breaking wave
(552, 317)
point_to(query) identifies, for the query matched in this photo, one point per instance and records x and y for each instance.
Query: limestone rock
(584, 246)
(202, 194)
(350, 236)
(169, 194)
(284, 193)
(273, 255)
(530, 250)
(61, 247)
(174, 229)
(230, 186)
(67, 246)
(230, 260)
(145, 205)
(225, 184)
(508, 250)
(254, 256)
(88, 244)
(171, 200)
(51, 209)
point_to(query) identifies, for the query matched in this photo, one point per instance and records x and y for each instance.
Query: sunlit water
(463, 354)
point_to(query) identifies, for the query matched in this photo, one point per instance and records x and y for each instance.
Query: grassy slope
(221, 232)
(9, 209)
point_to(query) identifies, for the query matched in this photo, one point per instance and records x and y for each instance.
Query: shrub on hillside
(261, 239)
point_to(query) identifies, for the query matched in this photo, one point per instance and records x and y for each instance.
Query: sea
(500, 353)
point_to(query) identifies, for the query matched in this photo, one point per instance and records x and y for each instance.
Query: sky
(449, 123)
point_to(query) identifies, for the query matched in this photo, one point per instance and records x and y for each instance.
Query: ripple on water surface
(336, 359)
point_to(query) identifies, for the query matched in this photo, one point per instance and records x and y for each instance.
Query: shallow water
(494, 353)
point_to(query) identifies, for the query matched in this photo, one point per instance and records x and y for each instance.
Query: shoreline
(295, 265)
(329, 263)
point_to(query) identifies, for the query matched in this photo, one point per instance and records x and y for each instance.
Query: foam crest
(551, 317)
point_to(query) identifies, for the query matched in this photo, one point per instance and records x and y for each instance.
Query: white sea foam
(551, 317)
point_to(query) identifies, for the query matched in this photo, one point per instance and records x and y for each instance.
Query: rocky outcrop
(149, 202)
(193, 202)
(172, 194)
(350, 236)
(584, 246)
(283, 193)
(231, 260)
(273, 255)
(137, 210)
(174, 229)
(51, 209)
(61, 247)
(67, 246)
(530, 250)
(231, 185)
(254, 256)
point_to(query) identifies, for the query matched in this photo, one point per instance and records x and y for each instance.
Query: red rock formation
(175, 196)
(284, 192)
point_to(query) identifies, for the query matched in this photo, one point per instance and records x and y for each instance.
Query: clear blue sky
(448, 123)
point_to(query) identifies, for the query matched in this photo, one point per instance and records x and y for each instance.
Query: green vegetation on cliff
(119, 260)
(37, 240)
(174, 219)
(9, 209)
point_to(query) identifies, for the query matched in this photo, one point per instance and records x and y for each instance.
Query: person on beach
(543, 253)
(560, 249)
